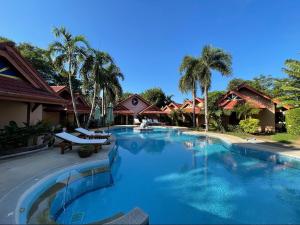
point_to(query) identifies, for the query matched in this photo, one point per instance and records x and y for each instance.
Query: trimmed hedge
(292, 119)
(249, 125)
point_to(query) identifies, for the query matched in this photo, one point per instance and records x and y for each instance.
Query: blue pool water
(178, 178)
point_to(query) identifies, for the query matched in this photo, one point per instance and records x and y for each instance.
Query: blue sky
(149, 38)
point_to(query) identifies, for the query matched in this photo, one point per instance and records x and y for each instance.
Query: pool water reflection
(178, 178)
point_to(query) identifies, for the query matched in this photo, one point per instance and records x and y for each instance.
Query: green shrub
(249, 125)
(292, 118)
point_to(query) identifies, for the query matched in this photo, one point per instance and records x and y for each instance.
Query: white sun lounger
(92, 134)
(69, 140)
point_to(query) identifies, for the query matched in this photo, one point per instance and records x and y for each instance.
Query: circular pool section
(46, 201)
(173, 177)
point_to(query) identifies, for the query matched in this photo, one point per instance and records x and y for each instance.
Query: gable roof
(31, 88)
(246, 86)
(152, 109)
(230, 104)
(137, 96)
(81, 106)
(121, 109)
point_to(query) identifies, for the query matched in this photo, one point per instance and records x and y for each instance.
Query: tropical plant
(292, 118)
(249, 125)
(292, 87)
(68, 53)
(189, 79)
(245, 111)
(266, 84)
(111, 87)
(155, 96)
(212, 59)
(215, 112)
(93, 73)
(176, 117)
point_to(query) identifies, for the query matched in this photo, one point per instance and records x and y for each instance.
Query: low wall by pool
(44, 202)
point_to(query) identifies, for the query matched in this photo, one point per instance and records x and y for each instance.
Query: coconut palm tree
(68, 52)
(111, 87)
(189, 79)
(211, 59)
(94, 73)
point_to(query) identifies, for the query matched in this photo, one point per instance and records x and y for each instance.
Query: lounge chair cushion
(91, 133)
(71, 138)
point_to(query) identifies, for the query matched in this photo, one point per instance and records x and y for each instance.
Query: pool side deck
(20, 173)
(257, 144)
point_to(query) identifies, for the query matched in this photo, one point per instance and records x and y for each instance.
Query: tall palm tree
(212, 59)
(189, 79)
(111, 87)
(93, 72)
(68, 52)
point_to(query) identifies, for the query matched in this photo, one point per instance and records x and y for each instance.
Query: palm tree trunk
(72, 94)
(93, 104)
(194, 107)
(205, 108)
(103, 107)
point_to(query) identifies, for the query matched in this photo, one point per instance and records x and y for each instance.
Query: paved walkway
(257, 144)
(20, 173)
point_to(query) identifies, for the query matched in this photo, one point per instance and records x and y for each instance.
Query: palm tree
(212, 59)
(93, 72)
(189, 79)
(68, 52)
(245, 110)
(111, 87)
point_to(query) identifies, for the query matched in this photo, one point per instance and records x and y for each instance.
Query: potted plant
(85, 151)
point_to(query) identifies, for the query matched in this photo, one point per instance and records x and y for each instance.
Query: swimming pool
(179, 178)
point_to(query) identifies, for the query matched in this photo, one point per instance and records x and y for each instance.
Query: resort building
(135, 107)
(187, 110)
(65, 115)
(23, 92)
(172, 106)
(256, 99)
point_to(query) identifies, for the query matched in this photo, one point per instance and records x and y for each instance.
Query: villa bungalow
(23, 92)
(268, 115)
(187, 110)
(135, 107)
(172, 106)
(61, 115)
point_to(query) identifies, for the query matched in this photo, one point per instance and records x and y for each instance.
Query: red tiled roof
(120, 109)
(229, 105)
(190, 110)
(244, 85)
(31, 87)
(19, 90)
(152, 109)
(199, 99)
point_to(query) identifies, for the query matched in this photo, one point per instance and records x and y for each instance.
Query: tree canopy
(155, 96)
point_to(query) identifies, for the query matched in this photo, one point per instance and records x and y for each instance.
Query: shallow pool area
(174, 178)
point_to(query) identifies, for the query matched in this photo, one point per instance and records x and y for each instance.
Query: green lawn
(284, 138)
